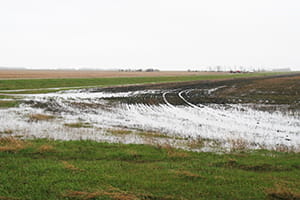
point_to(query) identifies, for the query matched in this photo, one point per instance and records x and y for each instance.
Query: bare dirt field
(29, 74)
(277, 89)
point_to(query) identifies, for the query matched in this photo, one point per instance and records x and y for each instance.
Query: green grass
(5, 97)
(33, 91)
(43, 169)
(82, 82)
(8, 104)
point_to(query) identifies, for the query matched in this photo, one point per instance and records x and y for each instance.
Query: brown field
(271, 90)
(29, 74)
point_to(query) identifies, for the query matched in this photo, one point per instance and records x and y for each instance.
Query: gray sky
(165, 34)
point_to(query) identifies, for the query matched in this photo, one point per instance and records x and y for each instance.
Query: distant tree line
(139, 70)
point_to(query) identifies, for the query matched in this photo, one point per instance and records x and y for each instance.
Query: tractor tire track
(220, 115)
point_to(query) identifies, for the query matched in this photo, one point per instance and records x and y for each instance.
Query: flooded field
(201, 116)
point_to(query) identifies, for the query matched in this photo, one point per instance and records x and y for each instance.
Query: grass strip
(81, 82)
(39, 169)
(8, 104)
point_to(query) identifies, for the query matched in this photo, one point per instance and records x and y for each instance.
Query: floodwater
(104, 115)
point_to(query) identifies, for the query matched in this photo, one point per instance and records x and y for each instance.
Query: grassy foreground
(45, 169)
(81, 82)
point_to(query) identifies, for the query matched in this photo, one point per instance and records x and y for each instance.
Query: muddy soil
(283, 90)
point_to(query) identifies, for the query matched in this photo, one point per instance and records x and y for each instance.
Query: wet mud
(272, 90)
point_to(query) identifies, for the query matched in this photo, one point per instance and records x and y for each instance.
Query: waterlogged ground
(190, 116)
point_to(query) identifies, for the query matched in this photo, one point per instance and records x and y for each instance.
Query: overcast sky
(165, 34)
